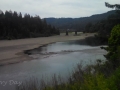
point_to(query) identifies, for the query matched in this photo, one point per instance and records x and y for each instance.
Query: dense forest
(15, 26)
(104, 27)
(78, 24)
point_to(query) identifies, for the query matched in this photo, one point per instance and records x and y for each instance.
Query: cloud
(57, 8)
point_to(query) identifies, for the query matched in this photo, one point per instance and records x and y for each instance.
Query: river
(58, 58)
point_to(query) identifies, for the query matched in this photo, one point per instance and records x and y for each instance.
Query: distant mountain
(77, 23)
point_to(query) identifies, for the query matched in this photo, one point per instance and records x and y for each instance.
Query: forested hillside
(15, 26)
(77, 23)
(104, 26)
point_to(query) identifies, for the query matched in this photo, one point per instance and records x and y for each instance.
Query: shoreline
(12, 51)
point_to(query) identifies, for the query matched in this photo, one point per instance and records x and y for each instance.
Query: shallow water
(57, 58)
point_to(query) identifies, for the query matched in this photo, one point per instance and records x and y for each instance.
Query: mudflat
(12, 51)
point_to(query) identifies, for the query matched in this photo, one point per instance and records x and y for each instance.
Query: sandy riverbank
(12, 51)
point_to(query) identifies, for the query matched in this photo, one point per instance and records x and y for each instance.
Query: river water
(57, 58)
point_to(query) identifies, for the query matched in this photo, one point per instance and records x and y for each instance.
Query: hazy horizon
(57, 8)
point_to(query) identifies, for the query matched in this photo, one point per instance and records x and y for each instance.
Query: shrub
(114, 47)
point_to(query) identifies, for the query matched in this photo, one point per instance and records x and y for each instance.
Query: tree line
(15, 26)
(78, 24)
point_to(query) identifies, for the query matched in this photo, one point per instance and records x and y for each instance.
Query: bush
(80, 80)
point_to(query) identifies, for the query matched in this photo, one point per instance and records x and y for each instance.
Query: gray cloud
(57, 8)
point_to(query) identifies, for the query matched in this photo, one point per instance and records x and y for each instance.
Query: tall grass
(93, 77)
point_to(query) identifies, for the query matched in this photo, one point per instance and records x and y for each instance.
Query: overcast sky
(57, 8)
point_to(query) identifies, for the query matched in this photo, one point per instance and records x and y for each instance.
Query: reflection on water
(59, 58)
(70, 46)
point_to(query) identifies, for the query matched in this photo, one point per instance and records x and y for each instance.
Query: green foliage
(95, 82)
(114, 46)
(114, 39)
(114, 80)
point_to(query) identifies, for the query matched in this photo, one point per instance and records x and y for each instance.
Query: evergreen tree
(113, 55)
(14, 26)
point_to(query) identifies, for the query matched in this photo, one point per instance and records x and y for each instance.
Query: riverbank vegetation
(87, 79)
(15, 26)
